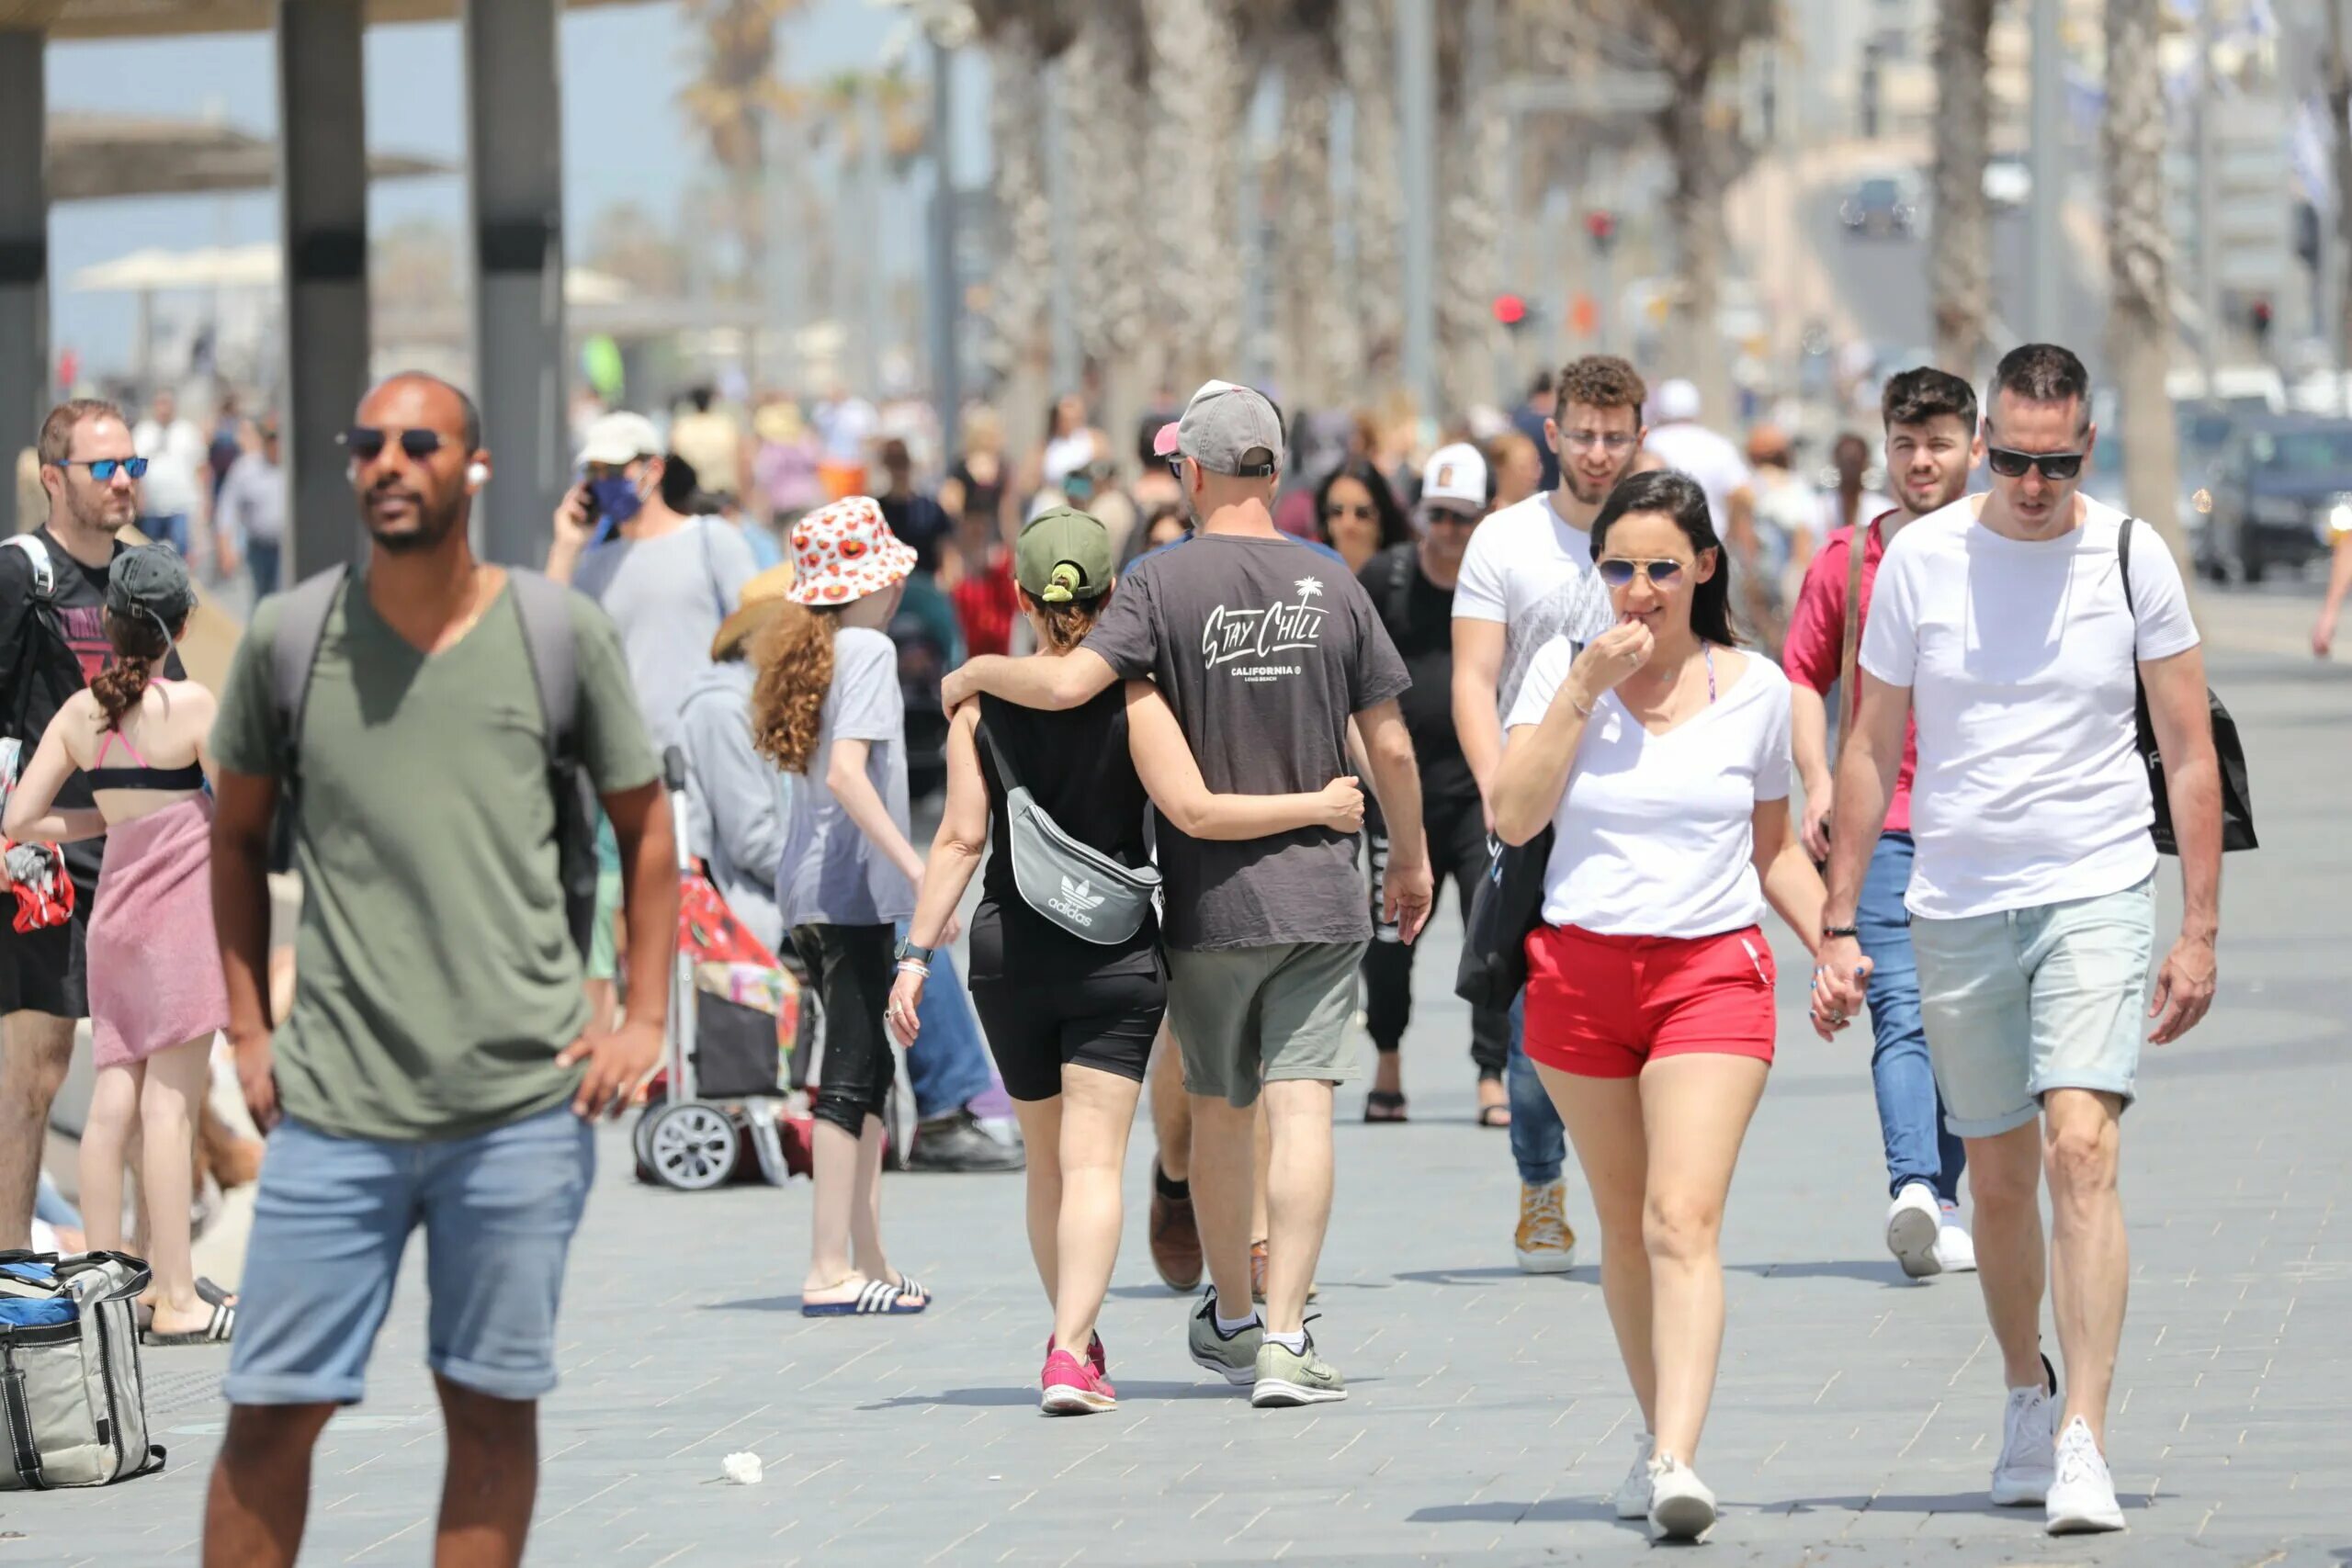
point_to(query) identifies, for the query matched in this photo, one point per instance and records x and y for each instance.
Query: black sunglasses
(1618, 572)
(2011, 464)
(367, 443)
(103, 468)
(1365, 511)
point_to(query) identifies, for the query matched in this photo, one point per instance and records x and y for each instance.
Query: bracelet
(914, 966)
(1582, 710)
(1829, 932)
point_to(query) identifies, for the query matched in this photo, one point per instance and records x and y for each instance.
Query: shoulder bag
(2237, 802)
(1070, 883)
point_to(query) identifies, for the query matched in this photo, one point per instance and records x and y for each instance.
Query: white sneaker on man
(1681, 1508)
(1955, 1249)
(2029, 1459)
(1633, 1499)
(1913, 1221)
(2081, 1497)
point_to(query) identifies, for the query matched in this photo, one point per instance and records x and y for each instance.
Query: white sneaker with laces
(1955, 1249)
(2081, 1497)
(1912, 1222)
(1633, 1499)
(1681, 1508)
(2029, 1445)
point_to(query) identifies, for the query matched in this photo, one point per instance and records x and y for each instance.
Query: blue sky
(624, 137)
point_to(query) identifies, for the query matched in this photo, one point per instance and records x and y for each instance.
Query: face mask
(615, 500)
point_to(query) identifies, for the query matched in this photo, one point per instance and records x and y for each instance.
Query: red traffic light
(1602, 226)
(1510, 309)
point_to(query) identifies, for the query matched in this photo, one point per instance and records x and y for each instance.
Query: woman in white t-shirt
(1659, 758)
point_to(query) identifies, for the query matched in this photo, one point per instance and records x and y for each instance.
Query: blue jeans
(949, 1065)
(261, 559)
(167, 529)
(1919, 1148)
(1538, 1143)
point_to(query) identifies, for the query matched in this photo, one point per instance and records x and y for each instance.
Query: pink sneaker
(1073, 1387)
(1094, 1357)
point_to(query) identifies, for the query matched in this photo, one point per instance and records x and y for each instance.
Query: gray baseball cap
(151, 579)
(1227, 430)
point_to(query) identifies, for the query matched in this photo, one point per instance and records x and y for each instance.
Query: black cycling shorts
(1104, 1021)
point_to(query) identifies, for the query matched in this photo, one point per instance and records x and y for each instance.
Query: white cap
(621, 438)
(1676, 399)
(1455, 476)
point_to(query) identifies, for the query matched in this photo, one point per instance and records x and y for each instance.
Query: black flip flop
(1381, 1105)
(1494, 1116)
(216, 1331)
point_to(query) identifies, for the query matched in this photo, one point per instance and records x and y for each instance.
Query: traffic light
(1602, 227)
(2257, 317)
(1510, 310)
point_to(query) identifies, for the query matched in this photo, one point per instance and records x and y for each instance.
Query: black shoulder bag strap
(1400, 589)
(1006, 773)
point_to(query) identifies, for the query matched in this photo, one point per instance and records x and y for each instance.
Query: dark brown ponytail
(139, 640)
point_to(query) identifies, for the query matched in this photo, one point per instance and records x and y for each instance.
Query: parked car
(2281, 495)
(1879, 205)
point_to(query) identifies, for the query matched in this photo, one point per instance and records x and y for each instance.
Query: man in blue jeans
(439, 1067)
(949, 1070)
(1931, 445)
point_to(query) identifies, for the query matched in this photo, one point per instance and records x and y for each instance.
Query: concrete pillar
(322, 186)
(516, 179)
(24, 263)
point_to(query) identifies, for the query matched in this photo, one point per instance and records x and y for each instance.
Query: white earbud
(478, 474)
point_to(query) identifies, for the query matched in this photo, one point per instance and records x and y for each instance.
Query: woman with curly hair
(825, 705)
(1357, 514)
(156, 993)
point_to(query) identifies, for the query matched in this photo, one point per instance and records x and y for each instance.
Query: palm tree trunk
(1107, 77)
(1962, 277)
(1473, 141)
(1695, 147)
(2338, 83)
(1315, 358)
(1200, 88)
(1019, 351)
(1368, 66)
(2140, 329)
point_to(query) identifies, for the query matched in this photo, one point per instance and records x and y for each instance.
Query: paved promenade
(1855, 1422)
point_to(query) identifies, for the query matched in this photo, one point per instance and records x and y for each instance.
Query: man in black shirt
(53, 639)
(1411, 584)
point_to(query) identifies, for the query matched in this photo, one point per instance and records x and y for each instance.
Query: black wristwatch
(1853, 931)
(909, 949)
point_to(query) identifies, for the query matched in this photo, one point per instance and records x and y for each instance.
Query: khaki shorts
(1248, 1016)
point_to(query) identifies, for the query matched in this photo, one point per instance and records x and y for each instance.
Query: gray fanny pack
(1074, 885)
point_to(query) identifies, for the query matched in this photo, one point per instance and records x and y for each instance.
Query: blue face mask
(615, 500)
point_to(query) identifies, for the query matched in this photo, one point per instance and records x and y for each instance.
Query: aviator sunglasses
(1618, 572)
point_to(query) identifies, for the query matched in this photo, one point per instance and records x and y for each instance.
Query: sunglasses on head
(1618, 572)
(367, 443)
(2011, 464)
(103, 468)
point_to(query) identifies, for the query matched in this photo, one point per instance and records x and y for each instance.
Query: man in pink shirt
(1931, 444)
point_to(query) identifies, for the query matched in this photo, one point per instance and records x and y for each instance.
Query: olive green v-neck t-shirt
(435, 975)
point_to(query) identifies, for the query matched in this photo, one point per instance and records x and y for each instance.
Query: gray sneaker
(1232, 1357)
(1290, 1377)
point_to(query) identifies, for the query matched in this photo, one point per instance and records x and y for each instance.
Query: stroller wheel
(691, 1147)
(641, 1132)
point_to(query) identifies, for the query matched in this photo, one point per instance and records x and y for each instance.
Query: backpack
(545, 607)
(15, 743)
(72, 1402)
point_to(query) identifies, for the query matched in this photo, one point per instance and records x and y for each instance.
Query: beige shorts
(1244, 1017)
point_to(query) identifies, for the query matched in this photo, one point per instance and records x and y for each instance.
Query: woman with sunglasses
(1356, 514)
(1659, 757)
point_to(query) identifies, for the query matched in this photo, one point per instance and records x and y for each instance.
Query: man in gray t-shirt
(1266, 648)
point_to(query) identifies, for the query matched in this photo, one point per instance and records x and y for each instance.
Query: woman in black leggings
(1071, 1021)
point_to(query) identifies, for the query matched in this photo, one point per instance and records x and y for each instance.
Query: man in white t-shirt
(2003, 622)
(1526, 579)
(1677, 438)
(172, 497)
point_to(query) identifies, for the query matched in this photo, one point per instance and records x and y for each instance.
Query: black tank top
(1076, 767)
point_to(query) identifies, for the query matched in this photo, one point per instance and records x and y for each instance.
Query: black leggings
(851, 966)
(1457, 836)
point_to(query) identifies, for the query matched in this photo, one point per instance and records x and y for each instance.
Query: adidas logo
(1078, 900)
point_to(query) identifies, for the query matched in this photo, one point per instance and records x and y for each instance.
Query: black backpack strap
(545, 606)
(1006, 774)
(1399, 596)
(2123, 565)
(302, 617)
(16, 1414)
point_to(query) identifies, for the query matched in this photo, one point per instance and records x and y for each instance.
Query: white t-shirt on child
(2021, 658)
(1655, 834)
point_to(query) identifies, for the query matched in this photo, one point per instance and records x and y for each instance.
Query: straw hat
(760, 596)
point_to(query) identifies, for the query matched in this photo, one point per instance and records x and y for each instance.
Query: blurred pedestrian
(250, 515)
(2339, 585)
(846, 423)
(1787, 512)
(1852, 504)
(173, 495)
(1518, 469)
(739, 804)
(1528, 419)
(1356, 514)
(710, 437)
(976, 492)
(1690, 447)
(785, 463)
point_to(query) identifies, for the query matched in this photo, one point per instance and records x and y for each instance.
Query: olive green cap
(1062, 555)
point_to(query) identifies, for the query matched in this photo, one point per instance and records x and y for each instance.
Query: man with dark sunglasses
(2006, 623)
(1931, 445)
(53, 639)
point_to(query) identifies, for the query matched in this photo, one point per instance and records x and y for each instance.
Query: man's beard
(1578, 481)
(432, 528)
(94, 517)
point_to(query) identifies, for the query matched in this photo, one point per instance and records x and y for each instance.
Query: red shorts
(1601, 1006)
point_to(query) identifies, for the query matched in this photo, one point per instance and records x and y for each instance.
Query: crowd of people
(1208, 740)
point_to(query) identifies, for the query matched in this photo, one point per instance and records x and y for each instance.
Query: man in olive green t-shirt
(440, 1067)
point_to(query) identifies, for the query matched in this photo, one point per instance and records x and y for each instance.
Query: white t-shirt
(2019, 657)
(175, 454)
(1708, 457)
(1655, 834)
(1528, 570)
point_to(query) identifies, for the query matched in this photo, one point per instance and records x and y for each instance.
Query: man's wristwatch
(1830, 931)
(909, 949)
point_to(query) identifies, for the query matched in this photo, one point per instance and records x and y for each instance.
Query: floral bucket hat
(845, 551)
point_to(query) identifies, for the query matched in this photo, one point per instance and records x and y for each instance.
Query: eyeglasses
(1618, 572)
(1608, 441)
(367, 443)
(1447, 514)
(1363, 512)
(2011, 464)
(103, 468)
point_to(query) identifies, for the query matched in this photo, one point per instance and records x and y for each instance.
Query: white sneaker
(1681, 1508)
(2082, 1498)
(1633, 1499)
(1955, 1249)
(2029, 1459)
(1912, 1223)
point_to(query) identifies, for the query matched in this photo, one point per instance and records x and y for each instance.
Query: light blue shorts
(2027, 1000)
(332, 1216)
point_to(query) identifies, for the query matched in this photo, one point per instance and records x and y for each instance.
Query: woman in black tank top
(1070, 1022)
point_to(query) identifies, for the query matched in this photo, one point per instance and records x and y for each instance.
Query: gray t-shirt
(667, 595)
(1264, 647)
(832, 875)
